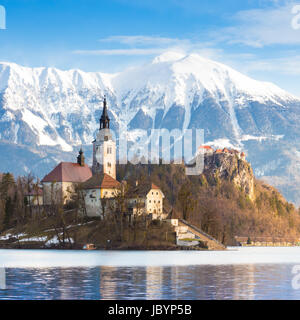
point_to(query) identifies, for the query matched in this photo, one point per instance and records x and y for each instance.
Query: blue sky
(254, 36)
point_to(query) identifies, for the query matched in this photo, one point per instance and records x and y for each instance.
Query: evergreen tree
(7, 183)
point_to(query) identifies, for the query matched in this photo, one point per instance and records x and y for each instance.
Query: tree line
(216, 206)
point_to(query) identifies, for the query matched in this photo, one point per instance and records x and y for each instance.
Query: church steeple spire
(104, 147)
(104, 120)
(80, 158)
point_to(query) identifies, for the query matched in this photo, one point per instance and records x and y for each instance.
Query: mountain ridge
(47, 108)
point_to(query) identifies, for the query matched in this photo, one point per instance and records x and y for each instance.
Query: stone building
(146, 198)
(60, 183)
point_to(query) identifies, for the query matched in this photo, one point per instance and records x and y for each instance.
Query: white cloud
(288, 65)
(120, 52)
(141, 40)
(152, 45)
(139, 45)
(262, 27)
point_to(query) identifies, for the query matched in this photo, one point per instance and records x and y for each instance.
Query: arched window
(109, 150)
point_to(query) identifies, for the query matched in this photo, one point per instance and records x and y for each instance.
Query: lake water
(239, 273)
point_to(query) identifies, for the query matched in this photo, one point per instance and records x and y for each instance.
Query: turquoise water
(241, 273)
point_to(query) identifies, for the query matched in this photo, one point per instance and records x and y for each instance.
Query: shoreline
(131, 248)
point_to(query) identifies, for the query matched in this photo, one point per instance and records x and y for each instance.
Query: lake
(238, 273)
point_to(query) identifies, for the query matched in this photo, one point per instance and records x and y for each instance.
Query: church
(99, 184)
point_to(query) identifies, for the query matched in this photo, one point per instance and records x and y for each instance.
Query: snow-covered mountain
(45, 112)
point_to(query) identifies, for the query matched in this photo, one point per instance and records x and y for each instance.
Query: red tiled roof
(69, 172)
(103, 181)
(219, 151)
(153, 186)
(109, 182)
(206, 147)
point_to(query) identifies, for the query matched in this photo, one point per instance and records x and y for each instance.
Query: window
(109, 164)
(156, 193)
(109, 150)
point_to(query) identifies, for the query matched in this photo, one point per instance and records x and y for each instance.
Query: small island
(144, 207)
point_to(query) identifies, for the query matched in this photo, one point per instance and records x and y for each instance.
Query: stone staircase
(185, 230)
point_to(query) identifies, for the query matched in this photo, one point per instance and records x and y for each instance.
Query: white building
(147, 198)
(104, 147)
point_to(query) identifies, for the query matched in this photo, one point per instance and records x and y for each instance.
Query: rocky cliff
(231, 167)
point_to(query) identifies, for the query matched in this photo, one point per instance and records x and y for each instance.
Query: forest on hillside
(216, 205)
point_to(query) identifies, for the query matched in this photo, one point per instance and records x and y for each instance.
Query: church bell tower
(104, 147)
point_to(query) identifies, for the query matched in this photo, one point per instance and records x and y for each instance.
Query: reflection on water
(190, 282)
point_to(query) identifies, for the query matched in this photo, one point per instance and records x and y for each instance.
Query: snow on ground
(39, 239)
(6, 237)
(55, 240)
